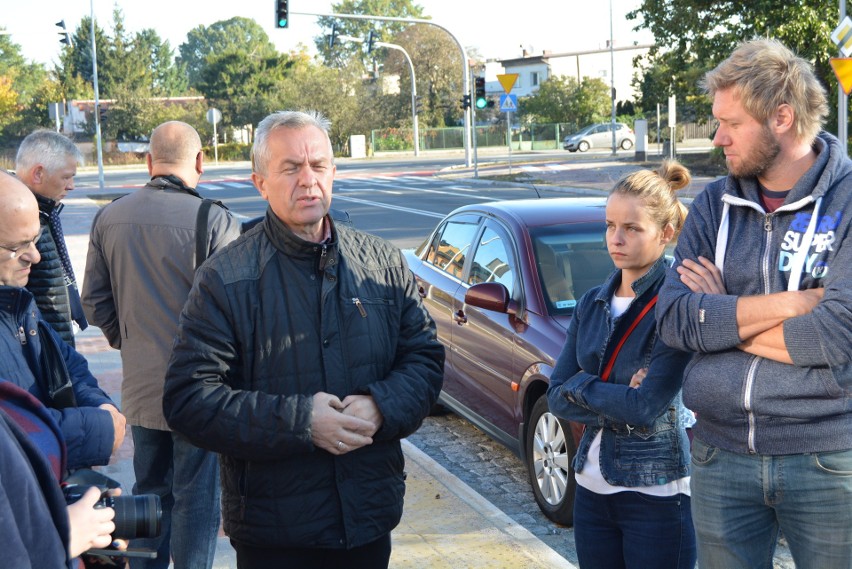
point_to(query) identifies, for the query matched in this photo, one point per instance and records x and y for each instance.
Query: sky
(498, 29)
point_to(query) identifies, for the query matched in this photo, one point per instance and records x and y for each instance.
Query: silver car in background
(600, 136)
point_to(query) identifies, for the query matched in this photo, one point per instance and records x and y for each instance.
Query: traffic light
(332, 36)
(465, 101)
(481, 101)
(418, 104)
(64, 36)
(282, 14)
(370, 40)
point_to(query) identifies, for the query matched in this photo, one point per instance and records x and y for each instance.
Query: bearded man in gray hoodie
(761, 290)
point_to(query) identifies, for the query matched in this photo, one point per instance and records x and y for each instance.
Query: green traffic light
(282, 23)
(481, 102)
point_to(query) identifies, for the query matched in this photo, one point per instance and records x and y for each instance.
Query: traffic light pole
(465, 66)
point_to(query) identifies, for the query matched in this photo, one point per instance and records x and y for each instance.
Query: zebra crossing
(346, 184)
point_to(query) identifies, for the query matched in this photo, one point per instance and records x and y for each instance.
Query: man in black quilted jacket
(47, 163)
(303, 356)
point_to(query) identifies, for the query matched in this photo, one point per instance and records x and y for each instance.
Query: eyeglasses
(19, 248)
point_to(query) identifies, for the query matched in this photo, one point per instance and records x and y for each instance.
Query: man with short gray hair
(304, 354)
(47, 163)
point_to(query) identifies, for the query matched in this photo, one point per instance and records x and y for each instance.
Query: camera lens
(136, 516)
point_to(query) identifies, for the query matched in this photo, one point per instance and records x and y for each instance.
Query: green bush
(229, 152)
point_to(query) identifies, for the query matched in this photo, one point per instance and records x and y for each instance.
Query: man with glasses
(94, 428)
(47, 163)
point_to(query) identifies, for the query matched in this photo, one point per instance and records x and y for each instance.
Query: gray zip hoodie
(746, 403)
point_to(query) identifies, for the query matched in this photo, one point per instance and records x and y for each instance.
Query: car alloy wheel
(549, 452)
(626, 144)
(583, 146)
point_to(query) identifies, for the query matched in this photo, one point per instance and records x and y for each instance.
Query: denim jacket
(644, 442)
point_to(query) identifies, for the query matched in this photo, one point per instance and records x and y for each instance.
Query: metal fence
(525, 137)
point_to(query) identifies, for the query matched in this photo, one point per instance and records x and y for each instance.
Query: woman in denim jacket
(631, 508)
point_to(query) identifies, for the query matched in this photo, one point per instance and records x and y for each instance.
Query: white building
(533, 70)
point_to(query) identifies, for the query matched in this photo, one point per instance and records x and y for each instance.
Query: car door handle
(460, 318)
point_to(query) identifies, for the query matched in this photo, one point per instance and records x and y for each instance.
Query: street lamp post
(465, 63)
(612, 77)
(413, 84)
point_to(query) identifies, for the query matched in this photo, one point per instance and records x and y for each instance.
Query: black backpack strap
(202, 229)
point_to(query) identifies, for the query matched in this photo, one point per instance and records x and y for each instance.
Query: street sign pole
(509, 135)
(842, 103)
(508, 104)
(214, 116)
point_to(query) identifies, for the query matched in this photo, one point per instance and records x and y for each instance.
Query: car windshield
(571, 259)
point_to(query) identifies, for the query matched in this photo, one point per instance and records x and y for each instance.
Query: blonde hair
(657, 190)
(766, 74)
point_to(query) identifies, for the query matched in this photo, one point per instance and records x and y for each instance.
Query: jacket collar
(640, 286)
(286, 241)
(47, 205)
(171, 183)
(830, 166)
(14, 297)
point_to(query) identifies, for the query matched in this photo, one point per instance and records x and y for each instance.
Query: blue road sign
(508, 103)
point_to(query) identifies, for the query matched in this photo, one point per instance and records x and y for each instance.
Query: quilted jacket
(271, 320)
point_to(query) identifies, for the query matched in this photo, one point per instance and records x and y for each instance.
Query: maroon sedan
(501, 280)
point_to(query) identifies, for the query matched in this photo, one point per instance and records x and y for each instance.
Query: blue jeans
(741, 501)
(633, 530)
(187, 480)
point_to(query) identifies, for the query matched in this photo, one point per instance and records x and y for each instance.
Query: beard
(760, 159)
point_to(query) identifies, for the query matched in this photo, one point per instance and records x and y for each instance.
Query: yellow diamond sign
(507, 80)
(843, 70)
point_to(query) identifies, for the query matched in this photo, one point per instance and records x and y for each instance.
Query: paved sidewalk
(446, 525)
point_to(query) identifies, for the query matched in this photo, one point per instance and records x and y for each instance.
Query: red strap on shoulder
(646, 310)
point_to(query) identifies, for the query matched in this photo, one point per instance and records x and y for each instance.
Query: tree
(693, 36)
(237, 82)
(562, 99)
(25, 91)
(438, 69)
(337, 93)
(168, 77)
(225, 36)
(342, 53)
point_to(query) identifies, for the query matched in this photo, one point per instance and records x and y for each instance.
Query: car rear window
(571, 259)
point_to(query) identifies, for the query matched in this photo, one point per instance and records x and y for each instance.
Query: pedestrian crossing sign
(842, 37)
(508, 103)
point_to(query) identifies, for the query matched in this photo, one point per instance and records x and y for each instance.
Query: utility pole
(465, 65)
(97, 102)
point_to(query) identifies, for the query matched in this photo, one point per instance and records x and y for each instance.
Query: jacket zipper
(752, 368)
(22, 336)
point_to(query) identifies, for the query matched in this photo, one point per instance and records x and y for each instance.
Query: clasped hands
(343, 426)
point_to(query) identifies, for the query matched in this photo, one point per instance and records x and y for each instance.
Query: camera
(135, 516)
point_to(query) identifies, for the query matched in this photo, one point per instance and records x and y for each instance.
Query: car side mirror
(491, 296)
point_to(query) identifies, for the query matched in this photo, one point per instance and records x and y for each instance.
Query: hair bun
(675, 174)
